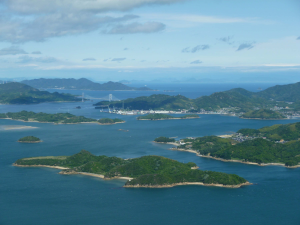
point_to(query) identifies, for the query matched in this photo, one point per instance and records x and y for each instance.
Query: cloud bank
(245, 46)
(13, 50)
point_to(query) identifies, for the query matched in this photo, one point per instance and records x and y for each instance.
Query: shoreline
(187, 183)
(176, 118)
(53, 167)
(30, 141)
(235, 160)
(263, 119)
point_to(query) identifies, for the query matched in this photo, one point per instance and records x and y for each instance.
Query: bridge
(109, 98)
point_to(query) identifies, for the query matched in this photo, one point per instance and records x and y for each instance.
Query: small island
(164, 140)
(159, 116)
(146, 171)
(263, 114)
(107, 121)
(29, 139)
(276, 145)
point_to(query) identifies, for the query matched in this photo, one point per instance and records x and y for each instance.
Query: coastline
(53, 167)
(187, 183)
(176, 118)
(263, 119)
(234, 160)
(110, 123)
(30, 141)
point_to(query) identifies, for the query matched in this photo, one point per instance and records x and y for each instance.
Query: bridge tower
(82, 99)
(110, 97)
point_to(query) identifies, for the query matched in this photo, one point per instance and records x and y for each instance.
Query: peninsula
(275, 145)
(159, 116)
(18, 93)
(58, 118)
(146, 171)
(29, 139)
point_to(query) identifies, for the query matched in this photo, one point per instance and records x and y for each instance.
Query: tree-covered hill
(147, 171)
(264, 114)
(18, 93)
(289, 92)
(152, 102)
(287, 132)
(82, 84)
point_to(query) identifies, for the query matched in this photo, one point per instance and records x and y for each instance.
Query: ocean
(42, 196)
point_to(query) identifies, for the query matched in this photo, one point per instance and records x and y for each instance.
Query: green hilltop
(18, 93)
(146, 171)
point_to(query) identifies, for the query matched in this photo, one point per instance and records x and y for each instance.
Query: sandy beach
(16, 127)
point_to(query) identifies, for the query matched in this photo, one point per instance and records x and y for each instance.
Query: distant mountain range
(18, 93)
(245, 100)
(81, 84)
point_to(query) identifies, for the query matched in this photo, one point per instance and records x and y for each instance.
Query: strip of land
(146, 171)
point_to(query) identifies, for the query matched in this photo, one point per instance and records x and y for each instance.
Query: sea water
(42, 196)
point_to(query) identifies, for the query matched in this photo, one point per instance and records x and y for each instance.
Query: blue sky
(151, 39)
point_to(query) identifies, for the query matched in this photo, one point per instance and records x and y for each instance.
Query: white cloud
(45, 6)
(54, 25)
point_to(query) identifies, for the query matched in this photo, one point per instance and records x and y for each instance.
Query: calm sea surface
(42, 196)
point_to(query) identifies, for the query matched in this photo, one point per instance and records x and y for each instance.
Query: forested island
(238, 100)
(164, 140)
(107, 121)
(58, 118)
(29, 139)
(274, 145)
(263, 114)
(160, 116)
(146, 171)
(17, 93)
(81, 84)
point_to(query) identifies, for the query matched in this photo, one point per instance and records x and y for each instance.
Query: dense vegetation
(235, 98)
(287, 132)
(164, 139)
(265, 114)
(146, 170)
(83, 84)
(17, 93)
(257, 150)
(29, 139)
(45, 117)
(110, 121)
(160, 116)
